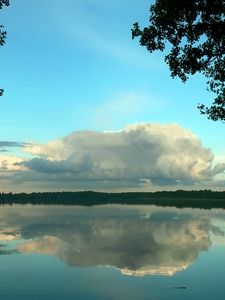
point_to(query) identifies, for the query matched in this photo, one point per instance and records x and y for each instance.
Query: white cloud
(219, 163)
(125, 106)
(139, 155)
(80, 23)
(10, 163)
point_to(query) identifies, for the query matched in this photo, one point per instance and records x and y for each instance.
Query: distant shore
(195, 199)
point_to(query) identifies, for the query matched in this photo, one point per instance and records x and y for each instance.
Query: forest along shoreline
(195, 199)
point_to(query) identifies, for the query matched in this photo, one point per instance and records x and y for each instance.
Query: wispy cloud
(79, 22)
(12, 144)
(125, 106)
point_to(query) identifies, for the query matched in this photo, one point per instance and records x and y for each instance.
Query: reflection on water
(137, 240)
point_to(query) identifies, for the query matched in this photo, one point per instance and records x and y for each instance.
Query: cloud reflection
(136, 241)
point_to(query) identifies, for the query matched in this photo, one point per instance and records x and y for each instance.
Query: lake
(111, 252)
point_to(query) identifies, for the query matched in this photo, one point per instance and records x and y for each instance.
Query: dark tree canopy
(2, 32)
(195, 32)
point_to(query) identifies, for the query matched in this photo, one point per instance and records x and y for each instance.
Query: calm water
(111, 252)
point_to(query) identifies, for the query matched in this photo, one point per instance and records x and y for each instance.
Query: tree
(193, 33)
(2, 32)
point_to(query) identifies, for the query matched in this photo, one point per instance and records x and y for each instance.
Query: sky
(86, 107)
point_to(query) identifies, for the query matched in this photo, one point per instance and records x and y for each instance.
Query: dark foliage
(196, 199)
(2, 32)
(194, 33)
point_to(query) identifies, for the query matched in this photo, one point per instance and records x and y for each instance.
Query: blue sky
(72, 66)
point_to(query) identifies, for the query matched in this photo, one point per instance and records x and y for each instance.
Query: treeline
(180, 198)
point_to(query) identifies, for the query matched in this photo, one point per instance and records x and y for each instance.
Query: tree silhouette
(2, 32)
(194, 33)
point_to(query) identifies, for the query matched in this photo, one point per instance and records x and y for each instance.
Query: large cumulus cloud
(153, 153)
(139, 157)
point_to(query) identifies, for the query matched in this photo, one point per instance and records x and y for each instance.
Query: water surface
(111, 252)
